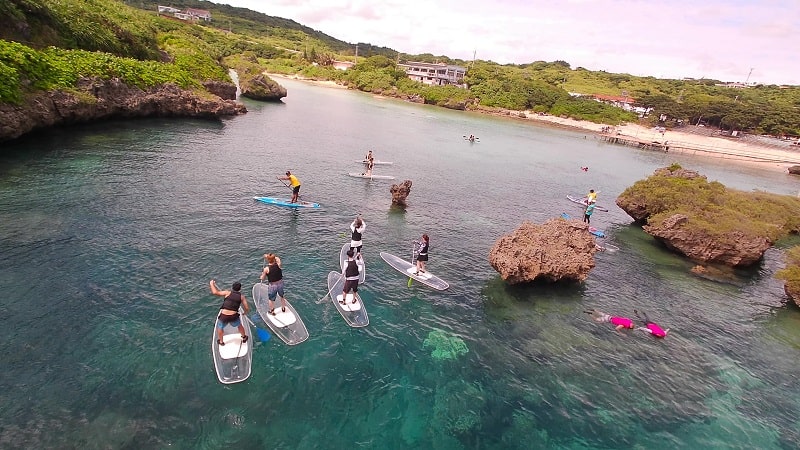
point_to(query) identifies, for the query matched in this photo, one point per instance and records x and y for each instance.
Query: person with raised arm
(229, 311)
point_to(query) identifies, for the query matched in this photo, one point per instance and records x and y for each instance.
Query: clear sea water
(111, 232)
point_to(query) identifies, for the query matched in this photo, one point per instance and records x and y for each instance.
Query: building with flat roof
(435, 74)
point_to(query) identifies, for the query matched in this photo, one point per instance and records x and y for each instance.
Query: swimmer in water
(650, 326)
(618, 322)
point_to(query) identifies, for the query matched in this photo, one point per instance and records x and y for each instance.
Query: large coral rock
(553, 251)
(400, 193)
(735, 249)
(262, 87)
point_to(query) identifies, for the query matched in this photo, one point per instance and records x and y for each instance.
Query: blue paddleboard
(593, 230)
(286, 203)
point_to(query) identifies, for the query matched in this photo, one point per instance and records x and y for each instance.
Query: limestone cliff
(95, 99)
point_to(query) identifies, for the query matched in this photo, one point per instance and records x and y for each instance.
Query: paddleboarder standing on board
(587, 213)
(294, 183)
(273, 272)
(356, 229)
(368, 156)
(351, 272)
(229, 311)
(422, 253)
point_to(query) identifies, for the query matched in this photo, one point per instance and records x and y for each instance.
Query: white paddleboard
(409, 269)
(349, 305)
(370, 177)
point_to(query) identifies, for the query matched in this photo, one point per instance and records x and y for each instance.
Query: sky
(733, 40)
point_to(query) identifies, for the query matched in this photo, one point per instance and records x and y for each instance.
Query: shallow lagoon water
(111, 232)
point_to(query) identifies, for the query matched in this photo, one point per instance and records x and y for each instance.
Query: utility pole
(474, 52)
(356, 58)
(748, 76)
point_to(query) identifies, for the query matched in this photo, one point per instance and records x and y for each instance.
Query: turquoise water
(111, 232)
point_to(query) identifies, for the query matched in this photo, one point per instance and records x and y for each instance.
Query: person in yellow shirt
(591, 197)
(294, 183)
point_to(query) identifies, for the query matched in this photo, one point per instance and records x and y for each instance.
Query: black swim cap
(350, 252)
(237, 286)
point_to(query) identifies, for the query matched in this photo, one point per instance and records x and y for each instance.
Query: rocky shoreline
(94, 99)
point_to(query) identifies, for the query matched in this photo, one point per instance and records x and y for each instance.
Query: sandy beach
(702, 143)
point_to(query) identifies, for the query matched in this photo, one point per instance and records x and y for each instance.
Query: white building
(435, 74)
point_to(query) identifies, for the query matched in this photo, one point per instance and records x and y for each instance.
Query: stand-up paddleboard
(371, 177)
(285, 202)
(232, 361)
(287, 325)
(585, 201)
(355, 314)
(609, 248)
(593, 230)
(360, 261)
(375, 162)
(409, 270)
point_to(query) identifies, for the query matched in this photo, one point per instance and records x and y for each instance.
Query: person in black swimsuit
(422, 253)
(351, 273)
(274, 275)
(229, 311)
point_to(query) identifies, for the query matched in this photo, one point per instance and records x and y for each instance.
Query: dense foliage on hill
(197, 52)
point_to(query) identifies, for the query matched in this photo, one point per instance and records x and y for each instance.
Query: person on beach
(356, 230)
(229, 311)
(618, 322)
(351, 272)
(587, 213)
(650, 326)
(294, 183)
(422, 253)
(273, 272)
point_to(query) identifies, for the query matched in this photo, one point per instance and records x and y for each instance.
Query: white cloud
(681, 38)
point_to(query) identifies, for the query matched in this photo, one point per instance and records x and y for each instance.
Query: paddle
(413, 260)
(326, 295)
(263, 335)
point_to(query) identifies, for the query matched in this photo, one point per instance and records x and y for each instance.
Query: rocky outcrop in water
(553, 251)
(225, 91)
(262, 87)
(400, 193)
(706, 221)
(637, 208)
(733, 249)
(102, 99)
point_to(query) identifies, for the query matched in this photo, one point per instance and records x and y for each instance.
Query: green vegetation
(791, 274)
(713, 209)
(196, 52)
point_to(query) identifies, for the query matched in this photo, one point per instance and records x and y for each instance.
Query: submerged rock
(794, 170)
(553, 251)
